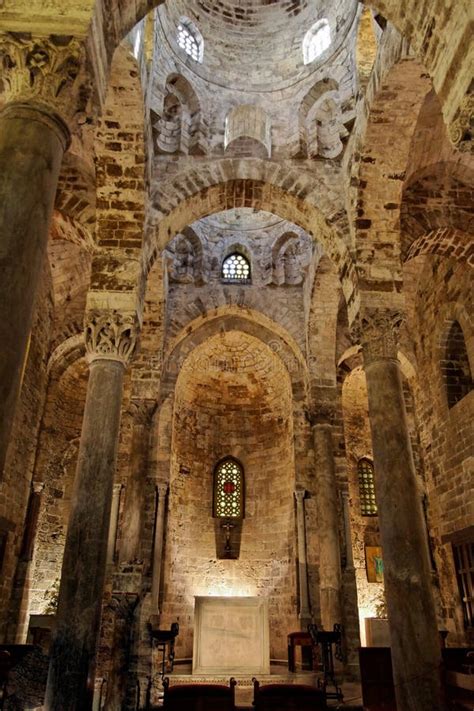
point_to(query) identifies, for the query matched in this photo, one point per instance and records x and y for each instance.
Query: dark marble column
(135, 490)
(330, 580)
(411, 612)
(110, 340)
(40, 82)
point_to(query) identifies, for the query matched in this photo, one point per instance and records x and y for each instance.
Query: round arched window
(316, 41)
(236, 268)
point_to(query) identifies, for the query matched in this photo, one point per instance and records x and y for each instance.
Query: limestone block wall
(16, 478)
(239, 408)
(447, 436)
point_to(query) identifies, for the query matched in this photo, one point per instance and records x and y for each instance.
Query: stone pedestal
(33, 138)
(110, 339)
(411, 611)
(330, 580)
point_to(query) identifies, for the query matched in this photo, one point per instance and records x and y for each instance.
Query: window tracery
(316, 41)
(365, 472)
(228, 489)
(190, 40)
(236, 268)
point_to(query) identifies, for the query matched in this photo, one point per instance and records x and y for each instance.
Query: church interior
(236, 354)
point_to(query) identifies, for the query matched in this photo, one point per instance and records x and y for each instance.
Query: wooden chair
(199, 697)
(288, 697)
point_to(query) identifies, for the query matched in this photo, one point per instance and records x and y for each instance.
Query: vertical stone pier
(330, 581)
(411, 611)
(161, 491)
(305, 607)
(142, 413)
(34, 134)
(110, 341)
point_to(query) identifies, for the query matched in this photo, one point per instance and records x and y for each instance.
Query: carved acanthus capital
(461, 128)
(378, 331)
(45, 72)
(110, 335)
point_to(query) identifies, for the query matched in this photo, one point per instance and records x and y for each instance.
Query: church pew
(288, 697)
(199, 697)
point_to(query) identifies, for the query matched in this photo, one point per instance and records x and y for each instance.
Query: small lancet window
(316, 41)
(190, 39)
(228, 489)
(365, 472)
(236, 268)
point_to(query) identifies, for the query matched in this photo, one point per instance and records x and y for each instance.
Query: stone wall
(238, 403)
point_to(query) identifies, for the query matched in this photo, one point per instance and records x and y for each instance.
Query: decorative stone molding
(44, 72)
(461, 128)
(378, 332)
(110, 335)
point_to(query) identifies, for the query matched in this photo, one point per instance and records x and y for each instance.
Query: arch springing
(190, 39)
(228, 499)
(236, 268)
(365, 474)
(316, 41)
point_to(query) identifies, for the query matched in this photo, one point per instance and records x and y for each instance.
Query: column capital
(459, 128)
(44, 74)
(378, 331)
(300, 495)
(110, 335)
(142, 410)
(117, 488)
(323, 415)
(161, 487)
(37, 487)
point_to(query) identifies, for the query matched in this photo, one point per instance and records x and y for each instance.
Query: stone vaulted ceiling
(256, 45)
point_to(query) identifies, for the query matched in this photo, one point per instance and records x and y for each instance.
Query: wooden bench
(199, 697)
(288, 697)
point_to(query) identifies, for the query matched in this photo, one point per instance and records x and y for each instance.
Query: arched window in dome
(236, 268)
(316, 41)
(365, 473)
(190, 39)
(228, 489)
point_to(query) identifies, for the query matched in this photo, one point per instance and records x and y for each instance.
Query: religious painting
(374, 564)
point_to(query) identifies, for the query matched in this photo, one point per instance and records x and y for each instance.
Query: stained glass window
(236, 268)
(229, 489)
(365, 471)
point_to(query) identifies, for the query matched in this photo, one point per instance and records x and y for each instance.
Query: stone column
(305, 607)
(110, 341)
(330, 580)
(114, 514)
(161, 492)
(142, 412)
(347, 531)
(411, 612)
(40, 81)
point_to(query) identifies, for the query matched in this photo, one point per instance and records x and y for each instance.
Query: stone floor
(278, 674)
